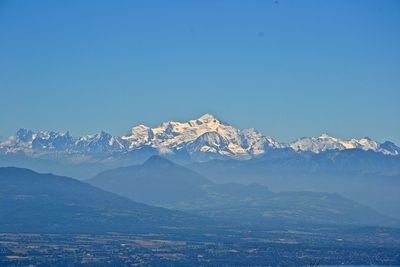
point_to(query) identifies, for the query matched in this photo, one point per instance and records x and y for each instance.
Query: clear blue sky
(287, 68)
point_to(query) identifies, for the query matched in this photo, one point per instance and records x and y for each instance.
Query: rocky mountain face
(199, 140)
(325, 142)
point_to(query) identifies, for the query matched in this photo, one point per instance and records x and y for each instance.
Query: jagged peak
(23, 133)
(140, 126)
(99, 135)
(365, 138)
(208, 118)
(250, 130)
(389, 143)
(325, 136)
(23, 130)
(47, 134)
(102, 134)
(174, 135)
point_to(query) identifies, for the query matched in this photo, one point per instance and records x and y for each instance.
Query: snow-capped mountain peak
(325, 142)
(139, 135)
(389, 148)
(101, 142)
(208, 118)
(326, 136)
(25, 135)
(174, 135)
(202, 138)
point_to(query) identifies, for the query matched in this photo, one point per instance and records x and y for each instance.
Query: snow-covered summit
(325, 142)
(100, 143)
(205, 134)
(205, 137)
(29, 142)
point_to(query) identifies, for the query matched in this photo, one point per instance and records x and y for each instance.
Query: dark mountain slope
(30, 201)
(367, 177)
(157, 181)
(164, 183)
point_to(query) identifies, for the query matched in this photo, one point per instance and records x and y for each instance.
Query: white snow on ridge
(325, 142)
(206, 134)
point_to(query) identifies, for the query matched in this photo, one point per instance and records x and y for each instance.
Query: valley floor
(214, 247)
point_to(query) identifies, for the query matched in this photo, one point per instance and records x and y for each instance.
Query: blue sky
(287, 68)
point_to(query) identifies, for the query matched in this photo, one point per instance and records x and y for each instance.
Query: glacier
(201, 139)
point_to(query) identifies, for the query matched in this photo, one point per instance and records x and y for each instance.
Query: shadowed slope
(30, 201)
(161, 182)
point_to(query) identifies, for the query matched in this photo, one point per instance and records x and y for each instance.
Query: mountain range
(362, 170)
(37, 202)
(367, 177)
(46, 203)
(197, 140)
(163, 183)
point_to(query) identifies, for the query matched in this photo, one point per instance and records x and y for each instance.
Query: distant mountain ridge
(201, 139)
(37, 202)
(163, 183)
